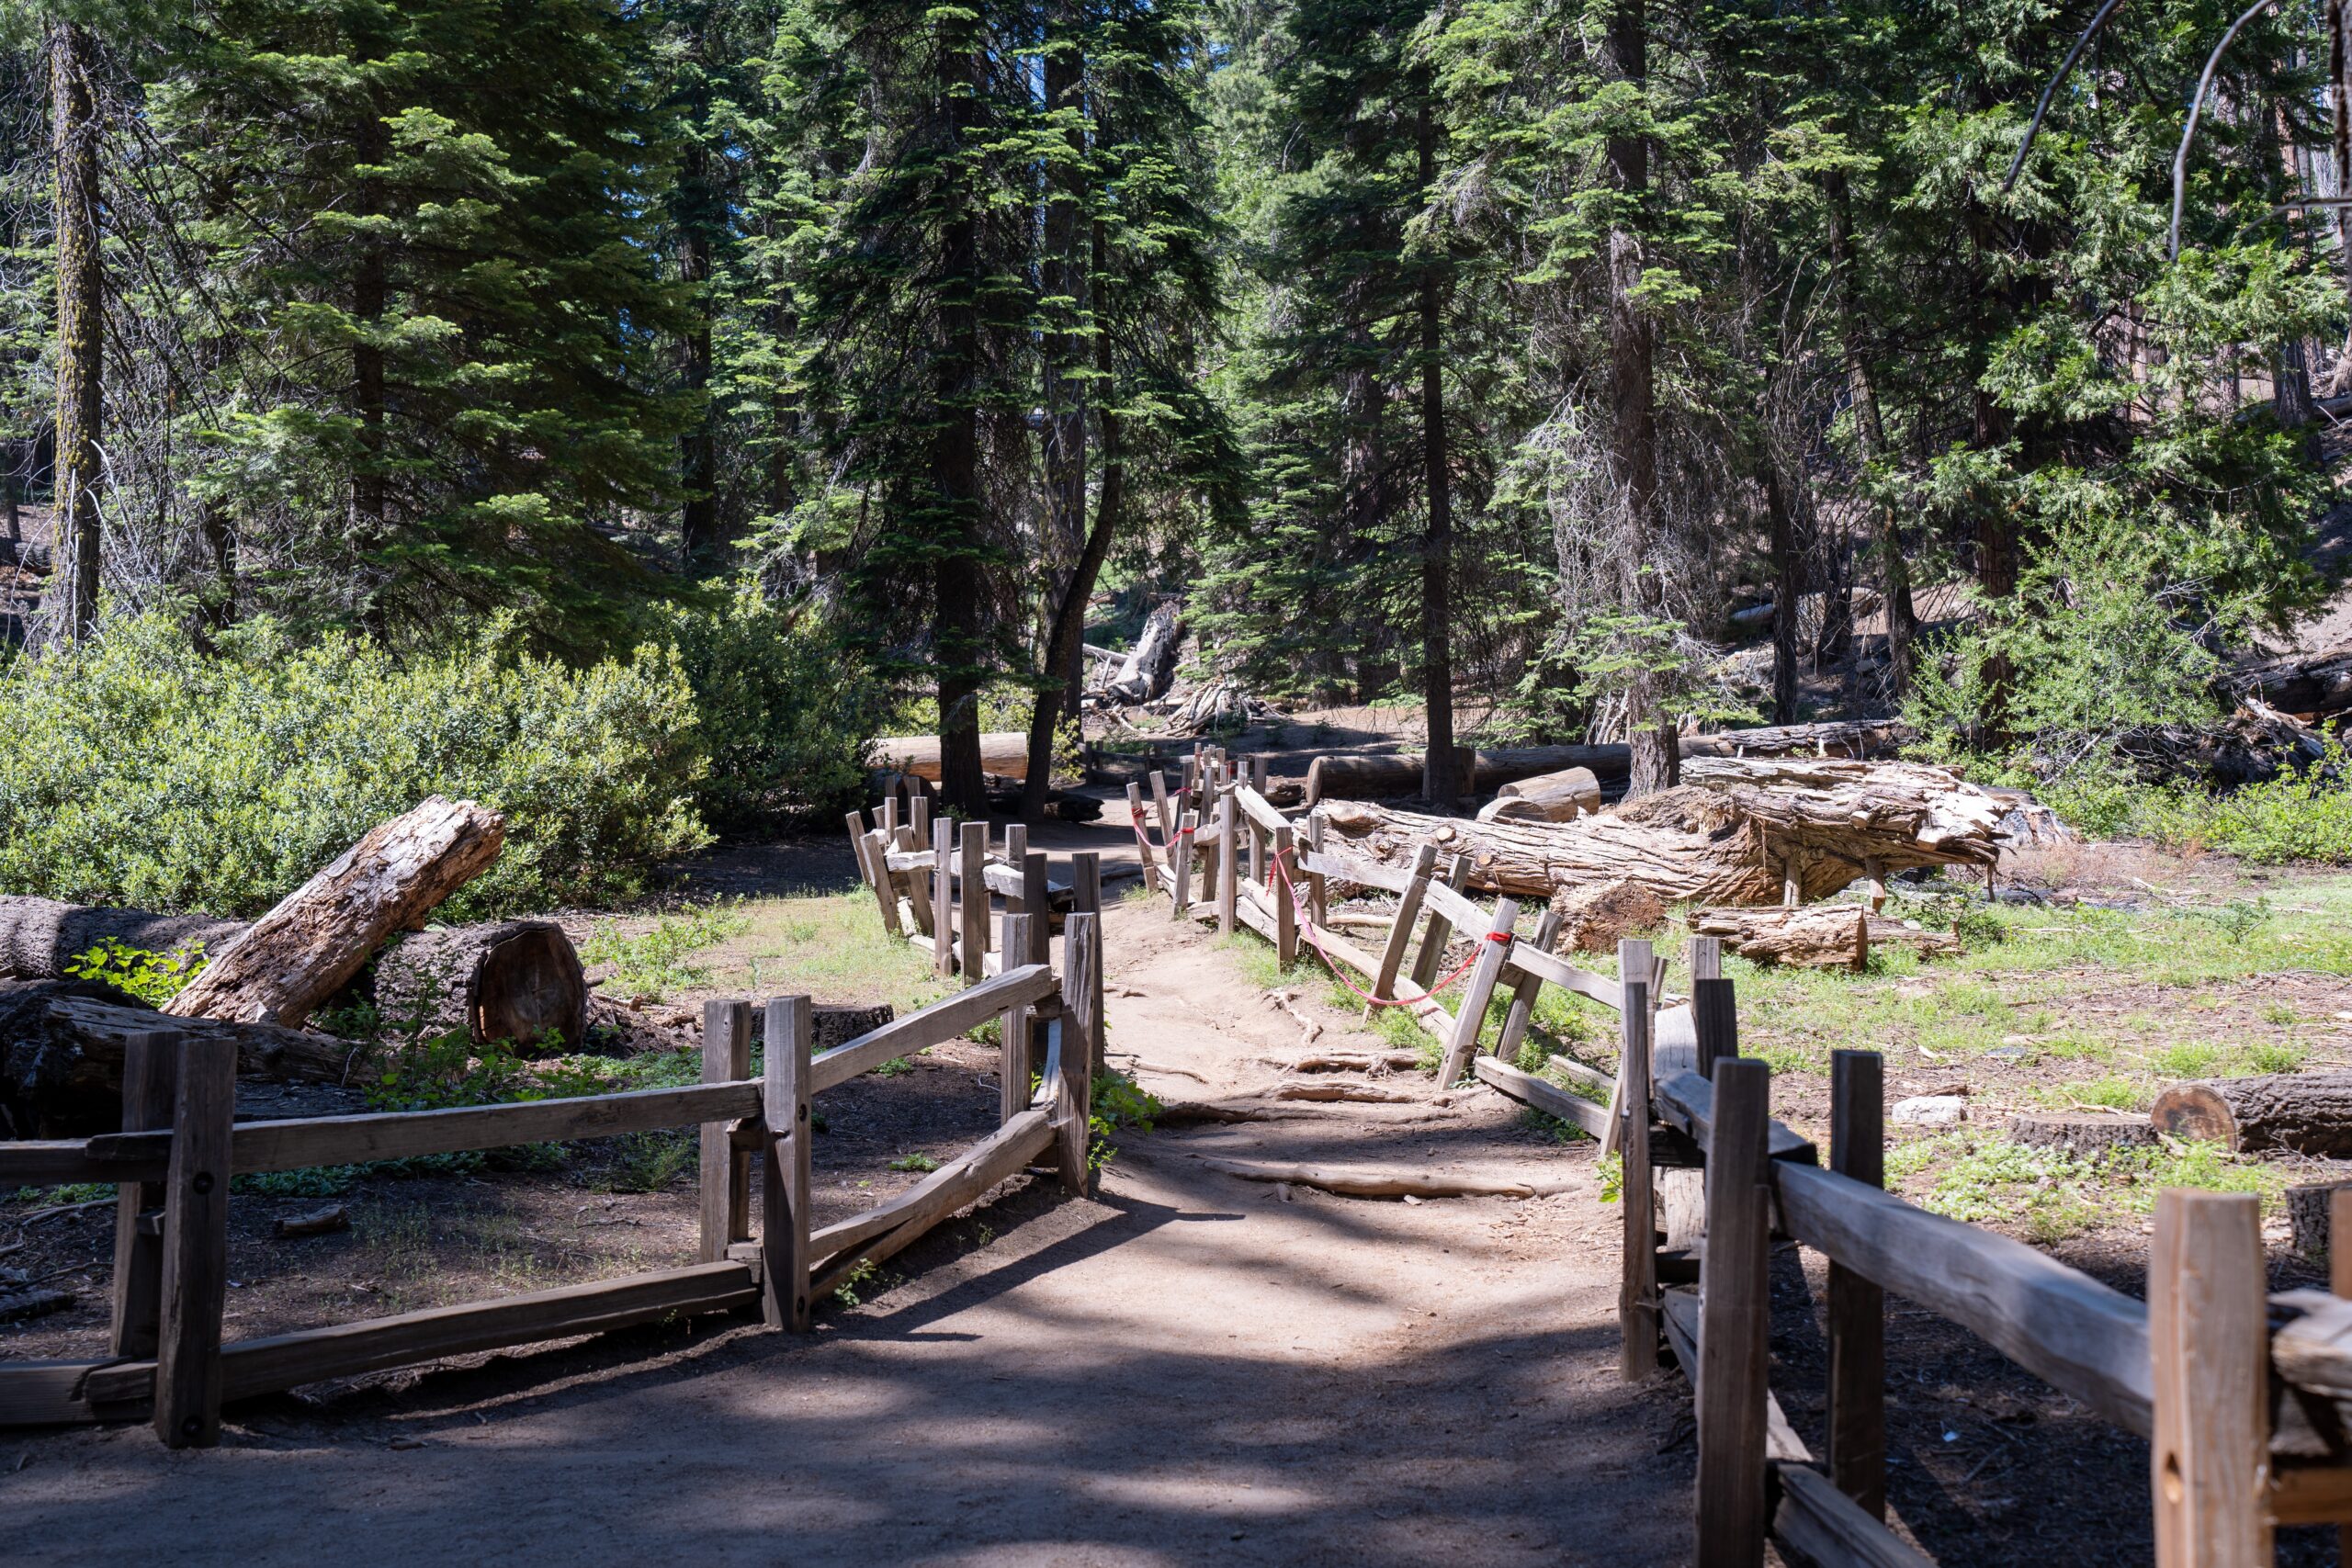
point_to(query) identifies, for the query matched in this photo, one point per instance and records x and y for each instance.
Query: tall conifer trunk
(1441, 776)
(1788, 590)
(956, 447)
(81, 327)
(698, 452)
(1065, 277)
(370, 299)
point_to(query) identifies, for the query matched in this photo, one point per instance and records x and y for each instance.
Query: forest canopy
(805, 369)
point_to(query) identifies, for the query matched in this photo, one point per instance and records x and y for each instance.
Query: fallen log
(1373, 1183)
(1831, 937)
(519, 981)
(1734, 845)
(1148, 671)
(1561, 796)
(310, 946)
(61, 1045)
(2308, 1113)
(2313, 685)
(1004, 752)
(39, 937)
(2085, 1138)
(1381, 774)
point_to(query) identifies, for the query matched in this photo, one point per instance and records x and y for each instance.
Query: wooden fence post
(943, 898)
(784, 1083)
(726, 1174)
(972, 904)
(1400, 934)
(1714, 1022)
(1492, 950)
(1318, 893)
(1187, 850)
(1229, 859)
(2209, 1332)
(1524, 992)
(1163, 815)
(1081, 1046)
(150, 1096)
(1439, 930)
(1733, 1324)
(195, 1246)
(1017, 844)
(886, 887)
(1278, 887)
(855, 821)
(1143, 852)
(1036, 898)
(1012, 1045)
(917, 885)
(1857, 1307)
(1707, 958)
(1637, 1297)
(1634, 967)
(918, 814)
(1086, 898)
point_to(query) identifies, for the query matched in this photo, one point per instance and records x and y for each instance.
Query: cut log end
(2308, 1113)
(519, 981)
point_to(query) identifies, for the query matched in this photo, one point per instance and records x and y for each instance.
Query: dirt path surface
(1195, 1369)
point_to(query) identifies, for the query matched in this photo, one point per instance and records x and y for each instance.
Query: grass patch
(917, 1162)
(2051, 1195)
(651, 963)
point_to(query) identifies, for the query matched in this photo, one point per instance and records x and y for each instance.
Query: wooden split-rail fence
(2245, 1396)
(181, 1148)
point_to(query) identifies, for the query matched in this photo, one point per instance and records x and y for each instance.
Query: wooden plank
(942, 1192)
(1856, 1306)
(1530, 959)
(1679, 1314)
(1363, 872)
(1626, 1122)
(1180, 898)
(1012, 1030)
(2208, 1332)
(918, 884)
(1086, 875)
(1318, 904)
(1734, 1321)
(195, 1246)
(2339, 1281)
(150, 1092)
(2311, 1495)
(1286, 860)
(786, 1254)
(1547, 1097)
(1632, 966)
(725, 1177)
(1714, 1020)
(1817, 1523)
(855, 821)
(46, 1393)
(55, 1162)
(886, 885)
(1036, 898)
(1009, 1150)
(313, 1355)
(1459, 911)
(1258, 808)
(2063, 1326)
(1229, 861)
(1475, 993)
(942, 1021)
(1400, 934)
(943, 898)
(1686, 1102)
(973, 915)
(1705, 955)
(1523, 989)
(1081, 1051)
(1439, 928)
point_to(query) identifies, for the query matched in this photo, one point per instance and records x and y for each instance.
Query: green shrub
(785, 711)
(142, 772)
(154, 977)
(2294, 817)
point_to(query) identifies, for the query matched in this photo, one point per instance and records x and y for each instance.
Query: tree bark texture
(81, 321)
(1004, 752)
(2309, 1113)
(956, 455)
(39, 937)
(61, 1045)
(1441, 781)
(518, 981)
(1788, 593)
(310, 946)
(1825, 937)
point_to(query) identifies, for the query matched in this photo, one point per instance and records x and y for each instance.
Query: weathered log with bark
(1375, 776)
(1151, 666)
(39, 937)
(2309, 684)
(310, 946)
(2309, 1113)
(519, 981)
(2085, 1138)
(1004, 752)
(1739, 844)
(1561, 796)
(1820, 936)
(61, 1045)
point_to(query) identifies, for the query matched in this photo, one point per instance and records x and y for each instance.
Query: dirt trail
(1195, 1369)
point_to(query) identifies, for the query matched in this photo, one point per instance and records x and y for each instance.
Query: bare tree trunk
(1894, 568)
(1788, 593)
(81, 328)
(1440, 781)
(955, 469)
(1065, 277)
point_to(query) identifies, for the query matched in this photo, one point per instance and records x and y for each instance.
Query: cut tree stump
(2307, 1211)
(2085, 1138)
(1834, 936)
(308, 947)
(40, 936)
(61, 1046)
(519, 981)
(2308, 1113)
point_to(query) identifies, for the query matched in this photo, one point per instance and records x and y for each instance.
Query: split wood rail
(181, 1146)
(940, 899)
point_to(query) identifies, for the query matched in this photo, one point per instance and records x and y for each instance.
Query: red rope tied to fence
(1339, 973)
(1135, 821)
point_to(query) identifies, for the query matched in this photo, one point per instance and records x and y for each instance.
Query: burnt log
(311, 945)
(519, 981)
(61, 1044)
(39, 937)
(2308, 1113)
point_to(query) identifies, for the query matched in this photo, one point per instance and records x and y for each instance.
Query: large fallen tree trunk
(1004, 752)
(2309, 1113)
(1149, 671)
(1739, 844)
(1354, 776)
(520, 981)
(1822, 937)
(308, 947)
(61, 1045)
(39, 937)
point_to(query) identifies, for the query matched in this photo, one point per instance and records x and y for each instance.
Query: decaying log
(1147, 673)
(2308, 1113)
(61, 1045)
(519, 981)
(1360, 1184)
(2307, 1212)
(308, 947)
(1833, 936)
(1705, 845)
(2085, 1138)
(1561, 796)
(1004, 752)
(1378, 775)
(40, 936)
(2309, 684)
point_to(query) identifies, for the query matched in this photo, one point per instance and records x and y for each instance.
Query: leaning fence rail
(180, 1148)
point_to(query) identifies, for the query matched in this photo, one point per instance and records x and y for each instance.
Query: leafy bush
(785, 711)
(154, 977)
(2293, 817)
(141, 771)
